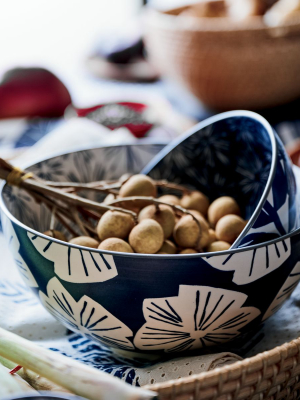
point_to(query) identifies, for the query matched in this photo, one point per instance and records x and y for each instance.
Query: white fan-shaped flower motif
(284, 292)
(86, 316)
(14, 246)
(75, 265)
(199, 316)
(248, 266)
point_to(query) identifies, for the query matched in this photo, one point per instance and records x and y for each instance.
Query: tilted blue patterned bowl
(143, 303)
(237, 154)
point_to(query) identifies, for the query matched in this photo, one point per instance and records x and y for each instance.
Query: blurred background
(82, 70)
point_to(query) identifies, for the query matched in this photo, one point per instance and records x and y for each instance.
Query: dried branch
(15, 176)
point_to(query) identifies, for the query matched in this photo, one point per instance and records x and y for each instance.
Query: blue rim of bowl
(121, 254)
(239, 113)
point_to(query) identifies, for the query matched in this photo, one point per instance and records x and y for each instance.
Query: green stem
(78, 378)
(37, 381)
(11, 385)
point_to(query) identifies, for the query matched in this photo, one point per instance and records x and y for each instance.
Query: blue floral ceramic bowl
(136, 302)
(236, 154)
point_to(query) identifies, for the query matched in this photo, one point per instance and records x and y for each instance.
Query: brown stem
(49, 204)
(103, 186)
(41, 187)
(52, 220)
(78, 221)
(71, 199)
(86, 188)
(66, 225)
(173, 186)
(89, 213)
(89, 228)
(93, 186)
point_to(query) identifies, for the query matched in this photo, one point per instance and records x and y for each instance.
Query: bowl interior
(82, 166)
(232, 156)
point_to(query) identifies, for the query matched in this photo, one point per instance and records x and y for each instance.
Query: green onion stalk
(11, 385)
(36, 381)
(78, 378)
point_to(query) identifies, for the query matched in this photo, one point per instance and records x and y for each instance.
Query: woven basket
(226, 65)
(270, 375)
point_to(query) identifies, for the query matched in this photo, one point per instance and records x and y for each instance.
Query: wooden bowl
(226, 65)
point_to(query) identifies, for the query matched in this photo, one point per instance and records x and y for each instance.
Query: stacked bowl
(155, 303)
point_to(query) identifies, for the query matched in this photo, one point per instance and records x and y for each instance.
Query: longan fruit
(204, 241)
(128, 205)
(188, 251)
(162, 214)
(56, 235)
(114, 224)
(186, 232)
(219, 245)
(170, 198)
(115, 244)
(212, 236)
(198, 214)
(85, 241)
(222, 206)
(195, 201)
(138, 185)
(125, 177)
(168, 247)
(109, 198)
(134, 206)
(147, 237)
(229, 227)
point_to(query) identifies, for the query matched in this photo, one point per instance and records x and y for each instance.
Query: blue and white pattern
(276, 221)
(14, 246)
(108, 297)
(232, 155)
(17, 133)
(75, 265)
(86, 316)
(199, 317)
(101, 357)
(252, 265)
(17, 293)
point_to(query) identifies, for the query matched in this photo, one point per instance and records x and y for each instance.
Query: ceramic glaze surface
(231, 155)
(143, 303)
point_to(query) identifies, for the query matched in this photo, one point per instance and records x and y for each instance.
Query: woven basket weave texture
(271, 375)
(248, 68)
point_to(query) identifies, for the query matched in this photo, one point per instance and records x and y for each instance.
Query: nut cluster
(167, 224)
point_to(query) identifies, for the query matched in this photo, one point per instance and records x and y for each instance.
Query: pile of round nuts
(171, 225)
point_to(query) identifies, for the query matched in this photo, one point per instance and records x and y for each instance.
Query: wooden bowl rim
(168, 21)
